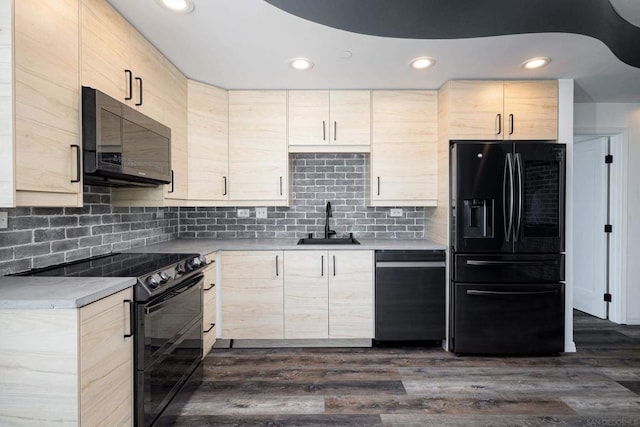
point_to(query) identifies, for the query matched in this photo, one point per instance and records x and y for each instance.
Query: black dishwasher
(410, 295)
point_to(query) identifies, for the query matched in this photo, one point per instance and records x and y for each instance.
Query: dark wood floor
(597, 386)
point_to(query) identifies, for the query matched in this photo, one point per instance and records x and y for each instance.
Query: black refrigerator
(507, 238)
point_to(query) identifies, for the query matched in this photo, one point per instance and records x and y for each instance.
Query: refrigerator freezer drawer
(509, 268)
(508, 319)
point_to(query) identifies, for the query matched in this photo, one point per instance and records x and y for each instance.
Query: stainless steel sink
(330, 241)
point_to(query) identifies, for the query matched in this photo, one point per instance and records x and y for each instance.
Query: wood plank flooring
(423, 386)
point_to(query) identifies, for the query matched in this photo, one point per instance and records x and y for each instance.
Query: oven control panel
(163, 279)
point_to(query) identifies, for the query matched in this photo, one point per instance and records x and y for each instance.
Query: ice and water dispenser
(478, 218)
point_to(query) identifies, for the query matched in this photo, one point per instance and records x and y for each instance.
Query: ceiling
(247, 44)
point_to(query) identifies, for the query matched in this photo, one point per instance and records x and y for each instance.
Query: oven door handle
(166, 299)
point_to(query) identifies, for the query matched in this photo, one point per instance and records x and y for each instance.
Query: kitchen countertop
(31, 293)
(40, 292)
(206, 246)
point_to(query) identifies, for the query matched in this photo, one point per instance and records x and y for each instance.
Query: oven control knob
(153, 281)
(193, 263)
(203, 260)
(164, 277)
(180, 269)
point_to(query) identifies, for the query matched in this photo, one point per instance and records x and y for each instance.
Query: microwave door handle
(516, 232)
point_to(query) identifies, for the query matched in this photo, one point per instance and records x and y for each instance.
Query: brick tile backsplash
(39, 237)
(317, 178)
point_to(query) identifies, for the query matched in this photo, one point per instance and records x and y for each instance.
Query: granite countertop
(206, 246)
(31, 292)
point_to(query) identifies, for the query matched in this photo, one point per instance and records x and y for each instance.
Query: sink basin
(335, 241)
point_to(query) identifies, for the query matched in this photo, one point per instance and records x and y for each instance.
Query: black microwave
(121, 146)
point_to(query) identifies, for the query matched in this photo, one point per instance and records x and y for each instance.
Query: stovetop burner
(156, 272)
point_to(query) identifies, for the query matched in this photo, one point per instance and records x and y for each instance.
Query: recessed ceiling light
(422, 62)
(536, 62)
(301, 63)
(180, 6)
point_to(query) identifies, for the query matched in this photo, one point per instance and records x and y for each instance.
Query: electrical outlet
(261, 212)
(395, 212)
(243, 213)
(4, 221)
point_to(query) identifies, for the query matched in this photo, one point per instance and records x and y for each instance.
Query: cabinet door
(209, 307)
(252, 295)
(350, 294)
(476, 109)
(106, 361)
(47, 101)
(258, 159)
(175, 102)
(531, 109)
(308, 117)
(148, 66)
(306, 294)
(404, 148)
(105, 49)
(350, 117)
(208, 142)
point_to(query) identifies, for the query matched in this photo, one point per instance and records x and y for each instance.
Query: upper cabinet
(329, 121)
(43, 130)
(258, 160)
(208, 142)
(512, 110)
(404, 148)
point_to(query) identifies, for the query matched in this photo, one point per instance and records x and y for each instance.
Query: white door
(589, 218)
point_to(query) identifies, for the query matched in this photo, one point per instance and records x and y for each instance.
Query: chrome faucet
(327, 232)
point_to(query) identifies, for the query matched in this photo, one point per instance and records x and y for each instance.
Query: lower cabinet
(301, 294)
(68, 366)
(209, 306)
(252, 289)
(328, 294)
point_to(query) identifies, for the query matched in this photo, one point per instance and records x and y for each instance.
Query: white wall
(622, 119)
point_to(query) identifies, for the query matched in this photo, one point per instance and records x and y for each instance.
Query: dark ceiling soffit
(456, 19)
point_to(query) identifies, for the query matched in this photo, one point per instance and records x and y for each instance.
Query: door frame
(619, 148)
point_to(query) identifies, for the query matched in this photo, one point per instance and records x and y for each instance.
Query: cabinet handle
(334, 265)
(213, 285)
(378, 186)
(324, 131)
(498, 124)
(210, 328)
(335, 130)
(130, 302)
(281, 186)
(277, 273)
(510, 124)
(129, 76)
(139, 80)
(322, 266)
(78, 167)
(225, 185)
(172, 186)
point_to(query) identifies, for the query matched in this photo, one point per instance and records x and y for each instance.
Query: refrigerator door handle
(508, 173)
(479, 263)
(516, 232)
(509, 293)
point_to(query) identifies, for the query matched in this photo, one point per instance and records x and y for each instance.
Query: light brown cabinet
(258, 159)
(208, 142)
(41, 121)
(513, 110)
(328, 294)
(75, 365)
(404, 164)
(209, 306)
(252, 295)
(329, 121)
